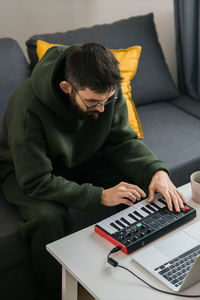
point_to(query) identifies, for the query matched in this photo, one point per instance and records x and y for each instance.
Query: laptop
(174, 260)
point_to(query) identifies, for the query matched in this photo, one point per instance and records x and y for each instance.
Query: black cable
(115, 264)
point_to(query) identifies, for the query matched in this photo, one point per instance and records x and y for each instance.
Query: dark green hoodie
(39, 128)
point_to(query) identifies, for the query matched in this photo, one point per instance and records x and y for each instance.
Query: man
(67, 143)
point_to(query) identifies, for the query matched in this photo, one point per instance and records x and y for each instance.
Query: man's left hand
(161, 183)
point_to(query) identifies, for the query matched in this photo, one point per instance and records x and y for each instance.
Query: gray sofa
(170, 122)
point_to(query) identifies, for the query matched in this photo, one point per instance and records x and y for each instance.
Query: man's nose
(100, 108)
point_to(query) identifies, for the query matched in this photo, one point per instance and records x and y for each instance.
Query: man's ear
(65, 86)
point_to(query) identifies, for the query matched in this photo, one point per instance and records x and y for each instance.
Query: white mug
(195, 186)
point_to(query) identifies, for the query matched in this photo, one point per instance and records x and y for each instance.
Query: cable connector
(112, 262)
(116, 249)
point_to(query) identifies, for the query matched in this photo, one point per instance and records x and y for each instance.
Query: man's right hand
(119, 194)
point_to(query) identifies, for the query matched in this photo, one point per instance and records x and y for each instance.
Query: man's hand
(161, 182)
(119, 194)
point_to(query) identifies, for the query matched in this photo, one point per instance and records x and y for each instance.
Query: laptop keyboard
(176, 269)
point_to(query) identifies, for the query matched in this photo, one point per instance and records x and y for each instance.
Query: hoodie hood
(44, 79)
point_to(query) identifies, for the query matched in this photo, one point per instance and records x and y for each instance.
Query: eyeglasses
(91, 107)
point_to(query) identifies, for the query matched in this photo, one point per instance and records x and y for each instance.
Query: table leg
(69, 286)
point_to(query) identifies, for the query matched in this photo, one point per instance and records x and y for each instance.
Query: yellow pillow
(128, 62)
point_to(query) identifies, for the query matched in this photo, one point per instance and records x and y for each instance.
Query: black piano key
(133, 217)
(162, 201)
(138, 214)
(120, 223)
(146, 210)
(155, 205)
(125, 221)
(151, 208)
(115, 226)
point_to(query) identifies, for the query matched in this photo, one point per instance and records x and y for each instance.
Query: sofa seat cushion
(18, 283)
(13, 251)
(152, 82)
(173, 135)
(188, 104)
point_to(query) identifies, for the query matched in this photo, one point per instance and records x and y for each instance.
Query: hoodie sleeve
(34, 174)
(127, 152)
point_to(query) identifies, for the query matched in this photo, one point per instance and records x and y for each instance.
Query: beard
(77, 110)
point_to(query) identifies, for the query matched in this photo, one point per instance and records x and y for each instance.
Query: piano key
(134, 217)
(142, 204)
(108, 221)
(137, 214)
(159, 203)
(121, 214)
(162, 200)
(154, 205)
(151, 208)
(129, 219)
(135, 208)
(120, 223)
(142, 213)
(109, 228)
(125, 221)
(149, 212)
(115, 226)
(116, 221)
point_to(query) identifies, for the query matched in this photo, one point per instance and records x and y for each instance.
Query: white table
(83, 256)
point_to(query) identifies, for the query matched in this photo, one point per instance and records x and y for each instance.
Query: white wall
(20, 19)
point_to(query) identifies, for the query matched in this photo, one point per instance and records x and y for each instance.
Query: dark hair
(92, 66)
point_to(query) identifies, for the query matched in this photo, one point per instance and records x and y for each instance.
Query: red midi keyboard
(142, 223)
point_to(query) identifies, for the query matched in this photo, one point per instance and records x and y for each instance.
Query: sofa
(169, 119)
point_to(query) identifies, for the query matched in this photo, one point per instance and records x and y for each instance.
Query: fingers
(130, 194)
(161, 183)
(174, 199)
(182, 197)
(126, 201)
(151, 194)
(134, 189)
(122, 193)
(168, 200)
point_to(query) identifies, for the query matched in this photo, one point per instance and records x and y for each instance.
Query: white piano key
(143, 213)
(160, 204)
(119, 215)
(135, 215)
(109, 228)
(118, 219)
(155, 208)
(106, 224)
(132, 212)
(129, 219)
(149, 211)
(109, 220)
(113, 219)
(140, 211)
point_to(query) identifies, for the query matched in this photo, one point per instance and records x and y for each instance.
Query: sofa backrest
(14, 70)
(152, 81)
